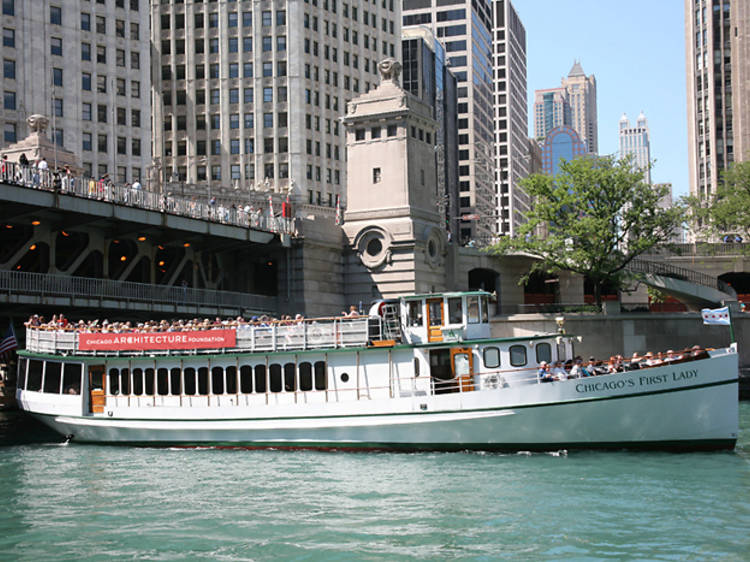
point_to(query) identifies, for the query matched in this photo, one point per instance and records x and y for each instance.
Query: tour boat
(417, 373)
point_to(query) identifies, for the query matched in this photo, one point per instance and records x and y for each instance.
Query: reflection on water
(86, 502)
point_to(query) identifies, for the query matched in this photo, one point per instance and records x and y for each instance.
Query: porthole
(344, 377)
(374, 247)
(432, 249)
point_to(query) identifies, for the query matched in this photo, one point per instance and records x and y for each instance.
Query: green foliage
(593, 218)
(728, 211)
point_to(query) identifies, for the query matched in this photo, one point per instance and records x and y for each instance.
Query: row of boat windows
(56, 378)
(518, 355)
(288, 377)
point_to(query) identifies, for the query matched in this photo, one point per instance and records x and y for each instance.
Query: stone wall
(604, 335)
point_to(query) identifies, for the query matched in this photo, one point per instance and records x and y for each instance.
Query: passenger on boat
(576, 371)
(558, 372)
(544, 373)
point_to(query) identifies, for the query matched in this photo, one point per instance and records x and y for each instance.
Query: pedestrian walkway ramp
(693, 288)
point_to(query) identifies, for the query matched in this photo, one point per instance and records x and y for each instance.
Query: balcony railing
(127, 195)
(320, 333)
(51, 285)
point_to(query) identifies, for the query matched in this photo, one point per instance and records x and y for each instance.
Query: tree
(594, 217)
(726, 212)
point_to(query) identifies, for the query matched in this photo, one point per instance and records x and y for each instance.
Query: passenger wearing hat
(544, 374)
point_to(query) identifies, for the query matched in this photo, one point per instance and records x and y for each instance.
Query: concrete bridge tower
(397, 242)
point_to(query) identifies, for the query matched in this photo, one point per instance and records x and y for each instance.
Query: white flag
(718, 316)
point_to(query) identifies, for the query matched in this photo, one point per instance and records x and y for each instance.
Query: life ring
(316, 334)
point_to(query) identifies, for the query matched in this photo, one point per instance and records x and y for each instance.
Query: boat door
(462, 365)
(97, 400)
(434, 319)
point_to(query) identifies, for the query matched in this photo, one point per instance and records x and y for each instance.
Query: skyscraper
(249, 95)
(86, 66)
(717, 57)
(561, 143)
(581, 94)
(426, 75)
(573, 104)
(512, 160)
(485, 44)
(551, 110)
(635, 142)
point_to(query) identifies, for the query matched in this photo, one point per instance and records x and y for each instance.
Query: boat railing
(321, 333)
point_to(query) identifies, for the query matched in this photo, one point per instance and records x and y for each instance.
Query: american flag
(8, 344)
(338, 210)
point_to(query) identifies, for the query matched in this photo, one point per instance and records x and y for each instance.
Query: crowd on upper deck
(59, 322)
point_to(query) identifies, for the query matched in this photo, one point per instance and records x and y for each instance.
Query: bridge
(77, 243)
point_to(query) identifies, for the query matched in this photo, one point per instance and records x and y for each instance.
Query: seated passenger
(576, 371)
(544, 374)
(558, 372)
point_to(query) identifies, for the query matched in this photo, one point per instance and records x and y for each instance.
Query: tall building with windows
(466, 32)
(551, 110)
(86, 65)
(485, 45)
(573, 104)
(717, 57)
(581, 94)
(426, 75)
(249, 95)
(635, 142)
(511, 118)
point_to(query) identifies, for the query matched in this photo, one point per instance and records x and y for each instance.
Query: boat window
(416, 366)
(149, 385)
(461, 365)
(35, 375)
(190, 385)
(472, 308)
(162, 382)
(137, 382)
(21, 380)
(436, 312)
(260, 378)
(454, 311)
(124, 381)
(274, 371)
(246, 379)
(543, 352)
(217, 380)
(305, 376)
(203, 380)
(485, 304)
(114, 381)
(174, 376)
(517, 355)
(72, 378)
(231, 379)
(289, 382)
(491, 357)
(414, 313)
(52, 376)
(561, 355)
(321, 381)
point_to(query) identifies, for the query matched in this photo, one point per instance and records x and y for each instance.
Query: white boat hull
(685, 406)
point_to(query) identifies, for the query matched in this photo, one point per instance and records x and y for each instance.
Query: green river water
(86, 502)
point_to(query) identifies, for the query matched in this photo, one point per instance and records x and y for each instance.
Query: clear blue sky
(636, 51)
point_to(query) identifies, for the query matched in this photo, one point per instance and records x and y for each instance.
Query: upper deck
(418, 319)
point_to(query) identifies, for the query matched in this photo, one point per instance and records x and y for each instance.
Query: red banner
(141, 341)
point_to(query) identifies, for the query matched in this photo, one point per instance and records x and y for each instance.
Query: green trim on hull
(670, 445)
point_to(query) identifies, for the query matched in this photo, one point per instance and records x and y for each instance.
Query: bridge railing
(700, 249)
(680, 273)
(90, 188)
(53, 285)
